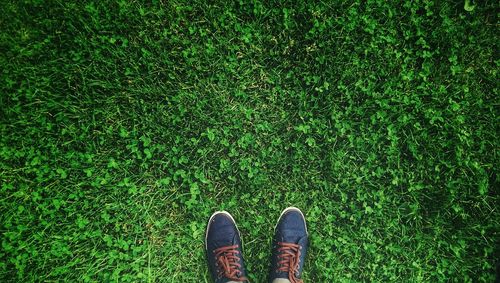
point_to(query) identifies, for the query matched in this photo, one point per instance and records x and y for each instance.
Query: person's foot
(223, 247)
(289, 248)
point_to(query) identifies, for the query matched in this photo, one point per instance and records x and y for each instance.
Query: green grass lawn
(125, 124)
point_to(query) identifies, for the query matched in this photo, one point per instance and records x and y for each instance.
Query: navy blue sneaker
(289, 248)
(223, 247)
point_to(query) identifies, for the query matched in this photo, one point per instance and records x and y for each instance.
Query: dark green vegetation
(124, 125)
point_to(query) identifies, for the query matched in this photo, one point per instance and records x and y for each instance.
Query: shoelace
(227, 262)
(289, 255)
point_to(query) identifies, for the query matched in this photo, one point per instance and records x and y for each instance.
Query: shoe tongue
(281, 280)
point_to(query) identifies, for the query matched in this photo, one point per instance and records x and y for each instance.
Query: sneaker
(289, 247)
(223, 247)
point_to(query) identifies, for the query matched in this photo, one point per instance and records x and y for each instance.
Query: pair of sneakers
(289, 248)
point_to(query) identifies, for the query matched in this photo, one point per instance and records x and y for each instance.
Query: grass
(125, 124)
